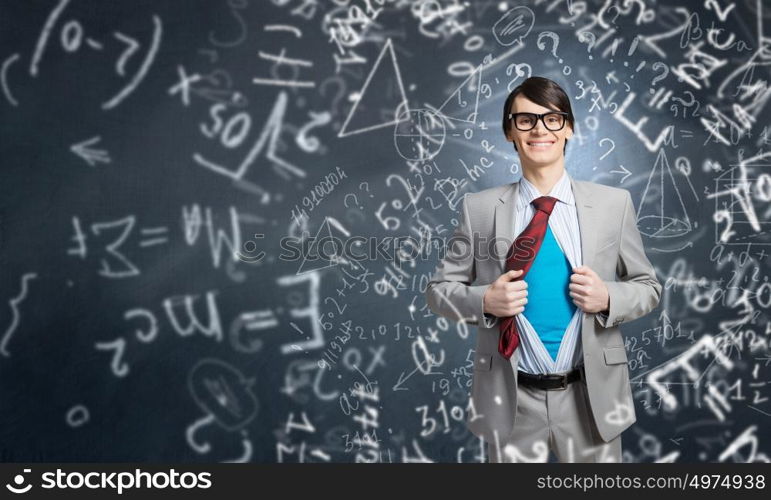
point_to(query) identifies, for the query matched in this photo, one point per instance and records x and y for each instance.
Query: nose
(539, 129)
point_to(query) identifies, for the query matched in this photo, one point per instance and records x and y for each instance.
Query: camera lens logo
(19, 481)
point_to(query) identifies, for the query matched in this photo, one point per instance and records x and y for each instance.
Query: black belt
(550, 382)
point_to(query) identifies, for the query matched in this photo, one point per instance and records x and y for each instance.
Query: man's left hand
(588, 290)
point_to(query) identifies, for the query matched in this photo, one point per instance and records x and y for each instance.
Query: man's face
(530, 152)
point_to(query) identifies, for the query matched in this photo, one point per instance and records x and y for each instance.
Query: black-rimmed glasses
(553, 120)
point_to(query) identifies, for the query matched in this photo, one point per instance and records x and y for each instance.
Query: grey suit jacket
(611, 245)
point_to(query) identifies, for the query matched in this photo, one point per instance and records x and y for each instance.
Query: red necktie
(521, 256)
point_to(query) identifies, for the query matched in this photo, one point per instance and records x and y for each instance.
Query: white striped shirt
(563, 221)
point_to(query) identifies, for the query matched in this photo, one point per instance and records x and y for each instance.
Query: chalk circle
(419, 134)
(662, 226)
(78, 416)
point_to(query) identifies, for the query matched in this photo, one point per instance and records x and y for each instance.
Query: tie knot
(544, 204)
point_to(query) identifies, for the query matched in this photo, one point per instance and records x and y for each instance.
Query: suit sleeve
(451, 292)
(638, 291)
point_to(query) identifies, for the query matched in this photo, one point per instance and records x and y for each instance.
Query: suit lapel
(587, 221)
(504, 223)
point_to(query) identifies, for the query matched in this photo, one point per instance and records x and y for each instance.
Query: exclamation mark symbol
(632, 48)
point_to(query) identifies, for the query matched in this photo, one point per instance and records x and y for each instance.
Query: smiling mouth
(540, 144)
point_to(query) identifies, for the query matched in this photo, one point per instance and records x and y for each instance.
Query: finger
(511, 275)
(580, 279)
(585, 271)
(581, 302)
(515, 286)
(579, 289)
(517, 301)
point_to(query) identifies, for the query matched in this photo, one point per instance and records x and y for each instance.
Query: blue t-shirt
(549, 306)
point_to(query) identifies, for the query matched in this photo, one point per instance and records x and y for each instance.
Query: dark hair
(541, 91)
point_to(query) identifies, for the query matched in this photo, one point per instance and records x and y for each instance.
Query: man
(550, 367)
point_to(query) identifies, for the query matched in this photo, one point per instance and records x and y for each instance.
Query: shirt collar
(561, 190)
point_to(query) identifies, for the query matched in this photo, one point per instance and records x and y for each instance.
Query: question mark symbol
(542, 45)
(340, 84)
(366, 188)
(656, 66)
(591, 38)
(345, 200)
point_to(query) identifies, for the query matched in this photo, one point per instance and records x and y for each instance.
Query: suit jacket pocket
(615, 355)
(483, 361)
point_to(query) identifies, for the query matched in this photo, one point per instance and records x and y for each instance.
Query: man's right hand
(505, 297)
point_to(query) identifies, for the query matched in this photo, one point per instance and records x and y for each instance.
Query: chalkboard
(218, 219)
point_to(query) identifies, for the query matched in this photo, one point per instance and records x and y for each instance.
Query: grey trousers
(559, 421)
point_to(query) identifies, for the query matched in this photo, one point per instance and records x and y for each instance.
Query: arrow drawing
(92, 156)
(624, 171)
